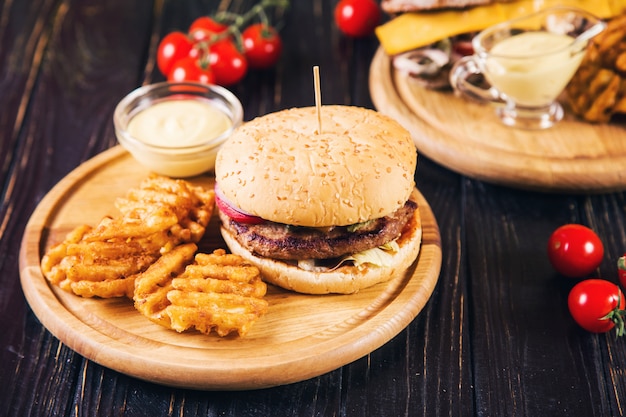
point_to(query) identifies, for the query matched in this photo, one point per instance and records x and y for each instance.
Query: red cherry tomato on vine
(597, 306)
(198, 51)
(173, 46)
(262, 45)
(463, 48)
(227, 63)
(357, 18)
(192, 70)
(203, 27)
(575, 250)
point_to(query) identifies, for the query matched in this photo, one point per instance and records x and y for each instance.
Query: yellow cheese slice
(414, 30)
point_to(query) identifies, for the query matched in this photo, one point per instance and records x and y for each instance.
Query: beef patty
(281, 241)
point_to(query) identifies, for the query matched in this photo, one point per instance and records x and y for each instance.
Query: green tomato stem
(621, 263)
(241, 20)
(617, 316)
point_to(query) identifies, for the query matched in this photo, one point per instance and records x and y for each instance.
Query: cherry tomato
(227, 63)
(621, 270)
(193, 70)
(173, 46)
(357, 18)
(463, 48)
(203, 27)
(575, 250)
(262, 45)
(233, 212)
(597, 305)
(198, 51)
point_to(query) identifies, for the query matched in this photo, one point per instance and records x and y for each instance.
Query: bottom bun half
(343, 280)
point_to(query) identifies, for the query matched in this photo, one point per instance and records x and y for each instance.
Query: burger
(321, 202)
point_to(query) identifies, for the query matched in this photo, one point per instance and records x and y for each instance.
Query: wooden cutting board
(467, 137)
(301, 336)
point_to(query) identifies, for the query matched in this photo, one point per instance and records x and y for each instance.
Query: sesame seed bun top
(281, 168)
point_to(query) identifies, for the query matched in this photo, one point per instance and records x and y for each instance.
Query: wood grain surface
(494, 339)
(301, 336)
(467, 137)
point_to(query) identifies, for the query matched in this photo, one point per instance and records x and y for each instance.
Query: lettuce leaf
(380, 256)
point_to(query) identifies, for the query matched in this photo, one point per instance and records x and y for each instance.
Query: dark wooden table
(495, 339)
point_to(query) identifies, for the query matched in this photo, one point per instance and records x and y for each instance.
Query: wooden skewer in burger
(319, 212)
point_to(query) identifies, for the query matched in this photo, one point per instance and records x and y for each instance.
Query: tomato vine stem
(617, 316)
(238, 21)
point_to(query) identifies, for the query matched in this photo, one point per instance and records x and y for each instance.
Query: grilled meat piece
(280, 241)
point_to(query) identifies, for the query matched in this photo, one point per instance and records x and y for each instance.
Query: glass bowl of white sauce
(176, 129)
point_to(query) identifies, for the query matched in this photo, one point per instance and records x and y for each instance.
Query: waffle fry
(190, 205)
(216, 292)
(102, 261)
(148, 254)
(152, 286)
(598, 89)
(55, 255)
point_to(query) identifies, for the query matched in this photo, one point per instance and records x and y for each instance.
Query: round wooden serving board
(300, 337)
(467, 137)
